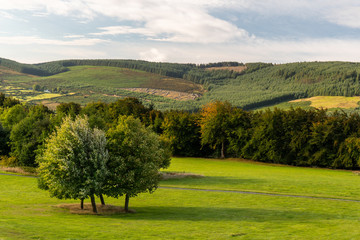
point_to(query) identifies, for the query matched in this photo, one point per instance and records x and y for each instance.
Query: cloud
(118, 30)
(161, 20)
(175, 22)
(153, 55)
(345, 16)
(28, 40)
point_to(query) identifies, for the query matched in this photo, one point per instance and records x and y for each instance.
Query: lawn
(29, 213)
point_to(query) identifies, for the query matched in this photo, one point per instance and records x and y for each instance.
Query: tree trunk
(127, 198)
(102, 199)
(223, 149)
(93, 203)
(82, 204)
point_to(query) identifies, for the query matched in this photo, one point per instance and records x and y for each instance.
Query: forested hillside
(256, 86)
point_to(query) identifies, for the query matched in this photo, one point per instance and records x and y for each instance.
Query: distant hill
(179, 86)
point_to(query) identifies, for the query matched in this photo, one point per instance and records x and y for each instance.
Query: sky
(186, 31)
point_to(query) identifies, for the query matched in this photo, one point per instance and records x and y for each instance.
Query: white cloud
(27, 40)
(173, 22)
(74, 36)
(153, 55)
(164, 20)
(345, 16)
(117, 30)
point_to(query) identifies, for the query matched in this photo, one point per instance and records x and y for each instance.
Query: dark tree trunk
(223, 149)
(127, 198)
(82, 204)
(93, 203)
(102, 199)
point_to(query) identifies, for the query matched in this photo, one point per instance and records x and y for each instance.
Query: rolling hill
(178, 86)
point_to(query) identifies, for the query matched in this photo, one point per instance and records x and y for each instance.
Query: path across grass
(231, 191)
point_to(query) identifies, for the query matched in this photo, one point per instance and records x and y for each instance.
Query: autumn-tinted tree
(74, 162)
(215, 124)
(136, 156)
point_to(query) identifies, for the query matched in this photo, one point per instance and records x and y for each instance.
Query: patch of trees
(38, 70)
(79, 162)
(25, 128)
(295, 137)
(220, 64)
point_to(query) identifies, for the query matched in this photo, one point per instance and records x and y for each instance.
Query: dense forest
(294, 137)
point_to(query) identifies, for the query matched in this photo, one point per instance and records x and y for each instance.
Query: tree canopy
(74, 161)
(136, 156)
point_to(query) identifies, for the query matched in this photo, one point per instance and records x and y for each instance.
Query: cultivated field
(251, 201)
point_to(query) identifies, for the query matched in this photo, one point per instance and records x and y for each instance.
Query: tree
(74, 162)
(183, 133)
(136, 156)
(29, 134)
(13, 115)
(215, 124)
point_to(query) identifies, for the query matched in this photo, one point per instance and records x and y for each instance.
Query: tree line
(295, 137)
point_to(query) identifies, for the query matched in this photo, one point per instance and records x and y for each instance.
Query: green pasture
(29, 213)
(104, 78)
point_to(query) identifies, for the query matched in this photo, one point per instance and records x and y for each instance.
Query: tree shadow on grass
(221, 214)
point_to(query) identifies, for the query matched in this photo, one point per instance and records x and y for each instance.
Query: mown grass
(28, 213)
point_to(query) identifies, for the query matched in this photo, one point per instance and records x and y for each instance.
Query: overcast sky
(195, 31)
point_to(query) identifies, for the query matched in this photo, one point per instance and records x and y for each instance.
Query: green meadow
(174, 213)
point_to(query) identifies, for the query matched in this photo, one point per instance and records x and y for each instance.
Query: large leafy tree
(136, 156)
(29, 134)
(215, 123)
(74, 161)
(183, 133)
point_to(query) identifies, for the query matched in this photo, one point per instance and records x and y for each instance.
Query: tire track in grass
(231, 191)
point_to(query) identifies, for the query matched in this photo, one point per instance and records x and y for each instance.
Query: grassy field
(331, 102)
(28, 213)
(348, 104)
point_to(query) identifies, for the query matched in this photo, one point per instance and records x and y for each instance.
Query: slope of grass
(28, 213)
(94, 83)
(332, 103)
(79, 77)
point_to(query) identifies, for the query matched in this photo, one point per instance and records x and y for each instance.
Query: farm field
(173, 213)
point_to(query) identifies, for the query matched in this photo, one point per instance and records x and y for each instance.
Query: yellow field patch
(331, 101)
(43, 96)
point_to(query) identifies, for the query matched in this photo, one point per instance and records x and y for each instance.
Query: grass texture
(29, 213)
